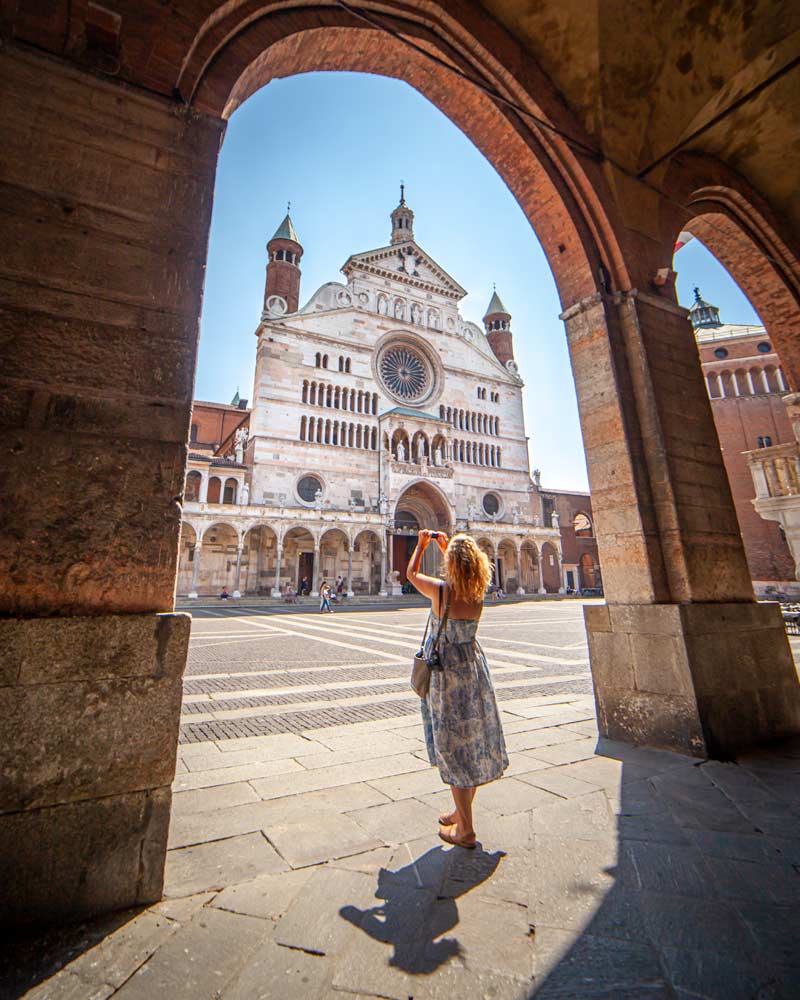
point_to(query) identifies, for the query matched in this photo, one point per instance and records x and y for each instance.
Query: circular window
(721, 352)
(405, 372)
(307, 488)
(491, 503)
(764, 347)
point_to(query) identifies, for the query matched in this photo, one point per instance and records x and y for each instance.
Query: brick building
(747, 387)
(573, 510)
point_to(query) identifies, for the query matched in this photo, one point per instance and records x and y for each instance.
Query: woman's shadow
(419, 905)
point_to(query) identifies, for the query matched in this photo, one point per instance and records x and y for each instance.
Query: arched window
(302, 428)
(582, 526)
(320, 429)
(193, 433)
(329, 396)
(335, 435)
(499, 462)
(324, 360)
(497, 425)
(231, 489)
(305, 391)
(214, 489)
(374, 439)
(318, 360)
(347, 366)
(350, 435)
(193, 482)
(374, 404)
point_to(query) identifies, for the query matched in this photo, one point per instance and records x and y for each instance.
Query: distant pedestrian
(339, 587)
(304, 587)
(224, 595)
(325, 598)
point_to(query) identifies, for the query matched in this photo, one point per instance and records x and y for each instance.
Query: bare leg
(447, 819)
(463, 799)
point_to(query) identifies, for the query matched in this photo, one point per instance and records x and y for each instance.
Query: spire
(702, 314)
(496, 307)
(235, 401)
(402, 220)
(286, 230)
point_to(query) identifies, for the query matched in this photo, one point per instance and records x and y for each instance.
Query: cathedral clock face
(405, 372)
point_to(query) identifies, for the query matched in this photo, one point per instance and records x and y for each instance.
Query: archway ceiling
(638, 78)
(641, 78)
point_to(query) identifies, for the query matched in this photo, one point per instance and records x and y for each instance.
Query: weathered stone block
(105, 722)
(75, 860)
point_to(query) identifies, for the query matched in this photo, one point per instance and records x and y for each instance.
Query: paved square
(304, 860)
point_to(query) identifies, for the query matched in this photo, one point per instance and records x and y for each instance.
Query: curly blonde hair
(467, 569)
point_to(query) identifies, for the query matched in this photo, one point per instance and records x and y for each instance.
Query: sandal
(469, 841)
(446, 819)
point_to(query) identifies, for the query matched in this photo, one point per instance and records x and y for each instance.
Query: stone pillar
(764, 380)
(203, 498)
(350, 569)
(520, 588)
(781, 380)
(563, 588)
(315, 574)
(681, 655)
(239, 551)
(276, 590)
(750, 385)
(383, 592)
(95, 437)
(541, 589)
(198, 550)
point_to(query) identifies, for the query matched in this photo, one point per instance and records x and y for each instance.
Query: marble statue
(240, 443)
(437, 456)
(245, 496)
(537, 478)
(554, 520)
(401, 452)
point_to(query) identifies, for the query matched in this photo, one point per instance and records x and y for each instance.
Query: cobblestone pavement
(304, 862)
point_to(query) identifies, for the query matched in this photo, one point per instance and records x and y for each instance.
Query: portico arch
(529, 567)
(335, 556)
(218, 557)
(551, 568)
(259, 561)
(300, 557)
(368, 553)
(420, 505)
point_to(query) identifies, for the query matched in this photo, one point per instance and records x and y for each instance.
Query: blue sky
(337, 145)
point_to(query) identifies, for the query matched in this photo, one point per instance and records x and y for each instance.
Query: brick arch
(243, 48)
(730, 218)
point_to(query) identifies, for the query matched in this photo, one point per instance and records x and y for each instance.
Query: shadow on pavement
(419, 905)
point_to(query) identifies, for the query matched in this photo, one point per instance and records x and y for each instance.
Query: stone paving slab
(317, 839)
(313, 922)
(277, 973)
(230, 775)
(340, 774)
(267, 897)
(208, 799)
(396, 822)
(510, 795)
(219, 863)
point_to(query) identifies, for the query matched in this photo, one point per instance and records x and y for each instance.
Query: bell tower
(497, 323)
(402, 220)
(283, 270)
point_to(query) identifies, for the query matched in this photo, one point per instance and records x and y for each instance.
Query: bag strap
(443, 619)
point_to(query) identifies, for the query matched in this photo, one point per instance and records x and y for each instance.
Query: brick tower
(497, 322)
(283, 270)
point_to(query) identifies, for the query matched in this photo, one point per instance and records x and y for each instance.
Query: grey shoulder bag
(424, 664)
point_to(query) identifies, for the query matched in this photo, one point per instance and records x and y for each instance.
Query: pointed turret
(284, 251)
(402, 220)
(497, 323)
(702, 314)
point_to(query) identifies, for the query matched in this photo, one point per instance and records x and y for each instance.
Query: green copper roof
(235, 401)
(406, 411)
(285, 231)
(496, 306)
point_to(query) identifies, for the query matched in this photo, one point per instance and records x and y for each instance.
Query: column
(276, 590)
(382, 592)
(781, 380)
(198, 548)
(671, 637)
(203, 498)
(735, 384)
(315, 574)
(350, 569)
(239, 551)
(541, 588)
(563, 588)
(520, 588)
(750, 385)
(764, 380)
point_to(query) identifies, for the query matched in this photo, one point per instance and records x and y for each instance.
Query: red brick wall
(215, 422)
(739, 423)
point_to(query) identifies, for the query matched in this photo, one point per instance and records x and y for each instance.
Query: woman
(462, 723)
(325, 598)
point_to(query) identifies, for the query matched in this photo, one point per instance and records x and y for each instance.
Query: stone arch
(529, 566)
(587, 572)
(367, 561)
(194, 483)
(218, 557)
(399, 437)
(334, 549)
(420, 446)
(298, 557)
(214, 489)
(509, 565)
(186, 557)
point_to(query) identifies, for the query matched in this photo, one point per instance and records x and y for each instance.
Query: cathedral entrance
(305, 569)
(420, 506)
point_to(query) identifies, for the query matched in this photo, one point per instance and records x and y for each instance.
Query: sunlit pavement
(304, 860)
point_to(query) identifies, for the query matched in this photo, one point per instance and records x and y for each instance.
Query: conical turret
(497, 323)
(402, 220)
(283, 270)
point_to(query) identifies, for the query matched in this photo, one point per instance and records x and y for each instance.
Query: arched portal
(508, 566)
(299, 559)
(529, 567)
(334, 553)
(217, 564)
(186, 558)
(551, 569)
(587, 571)
(259, 561)
(420, 505)
(367, 557)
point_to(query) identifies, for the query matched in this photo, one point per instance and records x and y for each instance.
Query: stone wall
(106, 198)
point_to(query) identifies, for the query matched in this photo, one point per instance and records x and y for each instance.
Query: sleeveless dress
(463, 733)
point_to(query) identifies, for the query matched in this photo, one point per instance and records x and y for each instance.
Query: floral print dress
(463, 733)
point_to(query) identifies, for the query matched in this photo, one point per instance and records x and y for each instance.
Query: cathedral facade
(377, 410)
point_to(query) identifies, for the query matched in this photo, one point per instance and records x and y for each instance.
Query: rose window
(405, 373)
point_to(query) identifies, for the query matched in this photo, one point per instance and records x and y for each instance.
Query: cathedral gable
(408, 264)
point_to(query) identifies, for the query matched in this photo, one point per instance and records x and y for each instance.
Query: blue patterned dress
(462, 723)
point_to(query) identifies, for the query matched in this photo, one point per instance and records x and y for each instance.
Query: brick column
(682, 656)
(106, 205)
